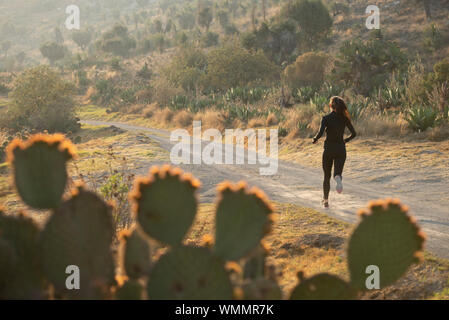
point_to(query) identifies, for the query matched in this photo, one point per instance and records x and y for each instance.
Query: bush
(421, 118)
(53, 51)
(105, 92)
(432, 38)
(308, 70)
(232, 66)
(42, 100)
(304, 94)
(210, 39)
(117, 41)
(278, 40)
(312, 17)
(245, 95)
(187, 68)
(367, 65)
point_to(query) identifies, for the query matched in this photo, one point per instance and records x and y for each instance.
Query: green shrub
(105, 92)
(304, 94)
(366, 66)
(432, 38)
(117, 41)
(210, 39)
(246, 95)
(53, 51)
(421, 118)
(187, 68)
(231, 66)
(42, 100)
(312, 17)
(308, 70)
(358, 107)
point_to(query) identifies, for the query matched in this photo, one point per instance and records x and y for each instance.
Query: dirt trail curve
(301, 185)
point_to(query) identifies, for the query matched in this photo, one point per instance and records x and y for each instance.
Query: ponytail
(339, 105)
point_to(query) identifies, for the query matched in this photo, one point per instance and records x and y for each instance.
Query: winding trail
(301, 185)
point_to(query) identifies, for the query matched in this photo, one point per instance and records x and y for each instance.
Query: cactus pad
(189, 273)
(130, 290)
(39, 166)
(165, 204)
(18, 244)
(262, 289)
(80, 233)
(255, 266)
(322, 287)
(387, 237)
(135, 254)
(244, 217)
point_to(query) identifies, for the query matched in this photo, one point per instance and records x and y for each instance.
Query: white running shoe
(339, 181)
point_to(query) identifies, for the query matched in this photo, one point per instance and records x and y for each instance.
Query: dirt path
(302, 185)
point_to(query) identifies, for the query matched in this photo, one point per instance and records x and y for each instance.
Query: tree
(82, 38)
(58, 36)
(312, 16)
(365, 66)
(186, 20)
(6, 45)
(205, 17)
(278, 40)
(42, 100)
(232, 66)
(117, 41)
(20, 57)
(52, 51)
(223, 18)
(308, 70)
(187, 68)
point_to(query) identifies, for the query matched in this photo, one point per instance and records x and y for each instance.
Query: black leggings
(333, 156)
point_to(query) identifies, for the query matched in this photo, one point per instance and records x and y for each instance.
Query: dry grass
(136, 109)
(212, 119)
(183, 119)
(271, 120)
(149, 110)
(256, 123)
(164, 116)
(375, 125)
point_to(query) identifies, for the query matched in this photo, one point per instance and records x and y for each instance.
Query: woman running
(334, 153)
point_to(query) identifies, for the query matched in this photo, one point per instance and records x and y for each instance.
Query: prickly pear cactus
(262, 289)
(79, 233)
(135, 254)
(130, 290)
(39, 167)
(387, 237)
(322, 287)
(189, 273)
(243, 218)
(21, 276)
(255, 266)
(165, 204)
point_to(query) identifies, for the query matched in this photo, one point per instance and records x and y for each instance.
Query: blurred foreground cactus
(230, 265)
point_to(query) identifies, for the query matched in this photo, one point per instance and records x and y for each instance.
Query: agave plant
(421, 118)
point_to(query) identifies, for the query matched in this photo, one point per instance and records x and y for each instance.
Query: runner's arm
(321, 132)
(353, 133)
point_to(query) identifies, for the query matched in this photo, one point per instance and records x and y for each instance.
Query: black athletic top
(334, 125)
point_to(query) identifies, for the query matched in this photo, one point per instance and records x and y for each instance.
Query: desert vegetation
(231, 264)
(231, 64)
